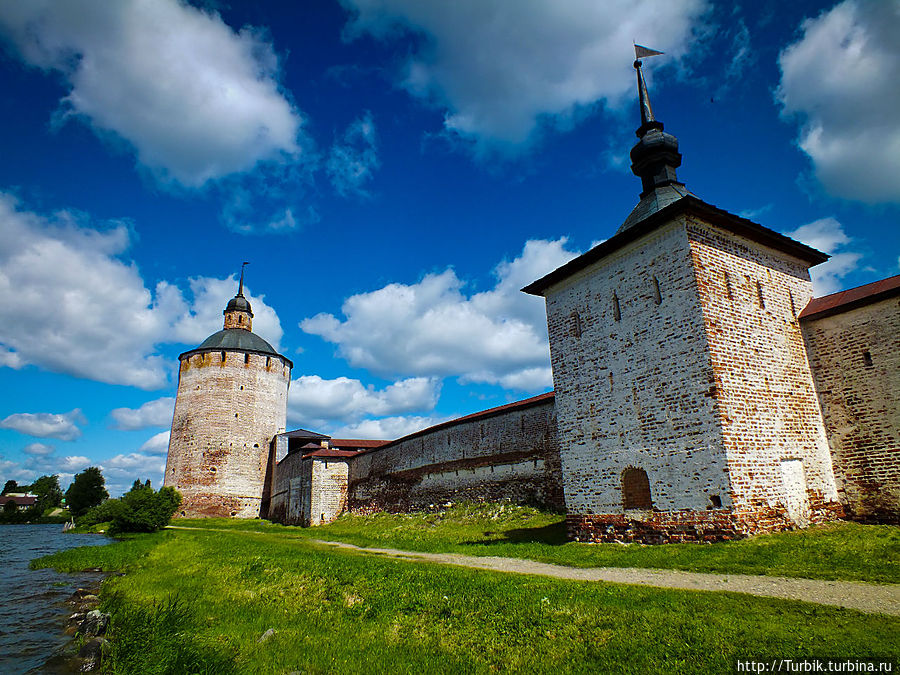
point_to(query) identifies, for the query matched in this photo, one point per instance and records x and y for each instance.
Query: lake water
(32, 609)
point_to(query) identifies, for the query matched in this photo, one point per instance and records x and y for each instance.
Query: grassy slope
(199, 602)
(846, 551)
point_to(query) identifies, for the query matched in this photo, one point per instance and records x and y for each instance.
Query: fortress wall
(634, 391)
(511, 454)
(309, 491)
(778, 456)
(860, 403)
(328, 493)
(226, 413)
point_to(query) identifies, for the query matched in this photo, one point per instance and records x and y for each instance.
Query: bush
(142, 509)
(103, 513)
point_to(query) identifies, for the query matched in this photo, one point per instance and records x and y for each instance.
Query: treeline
(87, 502)
(49, 497)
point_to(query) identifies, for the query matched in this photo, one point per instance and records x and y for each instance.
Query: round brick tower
(231, 401)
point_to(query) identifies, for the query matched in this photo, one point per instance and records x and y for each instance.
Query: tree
(48, 492)
(145, 510)
(87, 490)
(11, 486)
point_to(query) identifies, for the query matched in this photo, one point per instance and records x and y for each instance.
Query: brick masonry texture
(226, 413)
(768, 410)
(859, 402)
(633, 380)
(510, 455)
(680, 354)
(310, 490)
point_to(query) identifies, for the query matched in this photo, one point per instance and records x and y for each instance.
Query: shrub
(103, 513)
(144, 510)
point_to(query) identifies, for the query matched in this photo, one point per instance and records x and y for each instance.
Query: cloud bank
(193, 99)
(45, 425)
(839, 80)
(433, 329)
(82, 309)
(499, 69)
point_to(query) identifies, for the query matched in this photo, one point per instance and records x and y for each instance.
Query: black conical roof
(238, 304)
(237, 338)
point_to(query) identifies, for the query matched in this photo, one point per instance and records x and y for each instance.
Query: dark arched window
(636, 489)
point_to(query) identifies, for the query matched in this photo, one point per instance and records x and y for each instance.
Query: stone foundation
(209, 505)
(671, 527)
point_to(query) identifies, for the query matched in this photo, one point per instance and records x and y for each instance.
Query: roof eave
(207, 350)
(686, 205)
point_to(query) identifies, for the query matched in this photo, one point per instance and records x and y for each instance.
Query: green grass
(847, 551)
(199, 601)
(108, 558)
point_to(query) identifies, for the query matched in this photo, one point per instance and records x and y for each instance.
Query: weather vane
(241, 285)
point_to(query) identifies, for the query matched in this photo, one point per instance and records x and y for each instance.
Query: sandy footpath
(863, 597)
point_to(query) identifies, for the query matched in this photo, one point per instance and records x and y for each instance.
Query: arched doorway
(636, 490)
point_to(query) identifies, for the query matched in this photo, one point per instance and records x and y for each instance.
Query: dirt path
(869, 598)
(863, 597)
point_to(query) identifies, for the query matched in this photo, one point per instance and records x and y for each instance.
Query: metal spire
(241, 284)
(646, 109)
(648, 121)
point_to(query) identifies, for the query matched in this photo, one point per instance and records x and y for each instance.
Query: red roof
(331, 452)
(855, 297)
(356, 443)
(20, 501)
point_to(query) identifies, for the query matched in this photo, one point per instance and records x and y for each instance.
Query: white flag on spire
(640, 52)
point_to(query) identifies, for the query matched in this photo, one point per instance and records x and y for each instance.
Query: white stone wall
(328, 494)
(511, 454)
(634, 389)
(226, 413)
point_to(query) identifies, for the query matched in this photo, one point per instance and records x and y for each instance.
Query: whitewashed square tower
(685, 402)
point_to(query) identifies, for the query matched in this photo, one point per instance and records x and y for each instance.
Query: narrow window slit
(867, 359)
(617, 311)
(576, 324)
(657, 296)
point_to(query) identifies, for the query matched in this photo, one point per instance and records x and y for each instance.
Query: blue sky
(394, 171)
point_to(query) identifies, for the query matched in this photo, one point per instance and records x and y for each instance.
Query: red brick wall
(861, 403)
(769, 412)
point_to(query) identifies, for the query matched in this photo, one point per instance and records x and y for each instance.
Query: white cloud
(80, 309)
(46, 425)
(38, 449)
(432, 329)
(156, 413)
(122, 470)
(828, 236)
(204, 316)
(386, 428)
(10, 470)
(825, 234)
(354, 158)
(194, 99)
(500, 68)
(840, 80)
(158, 444)
(317, 402)
(74, 463)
